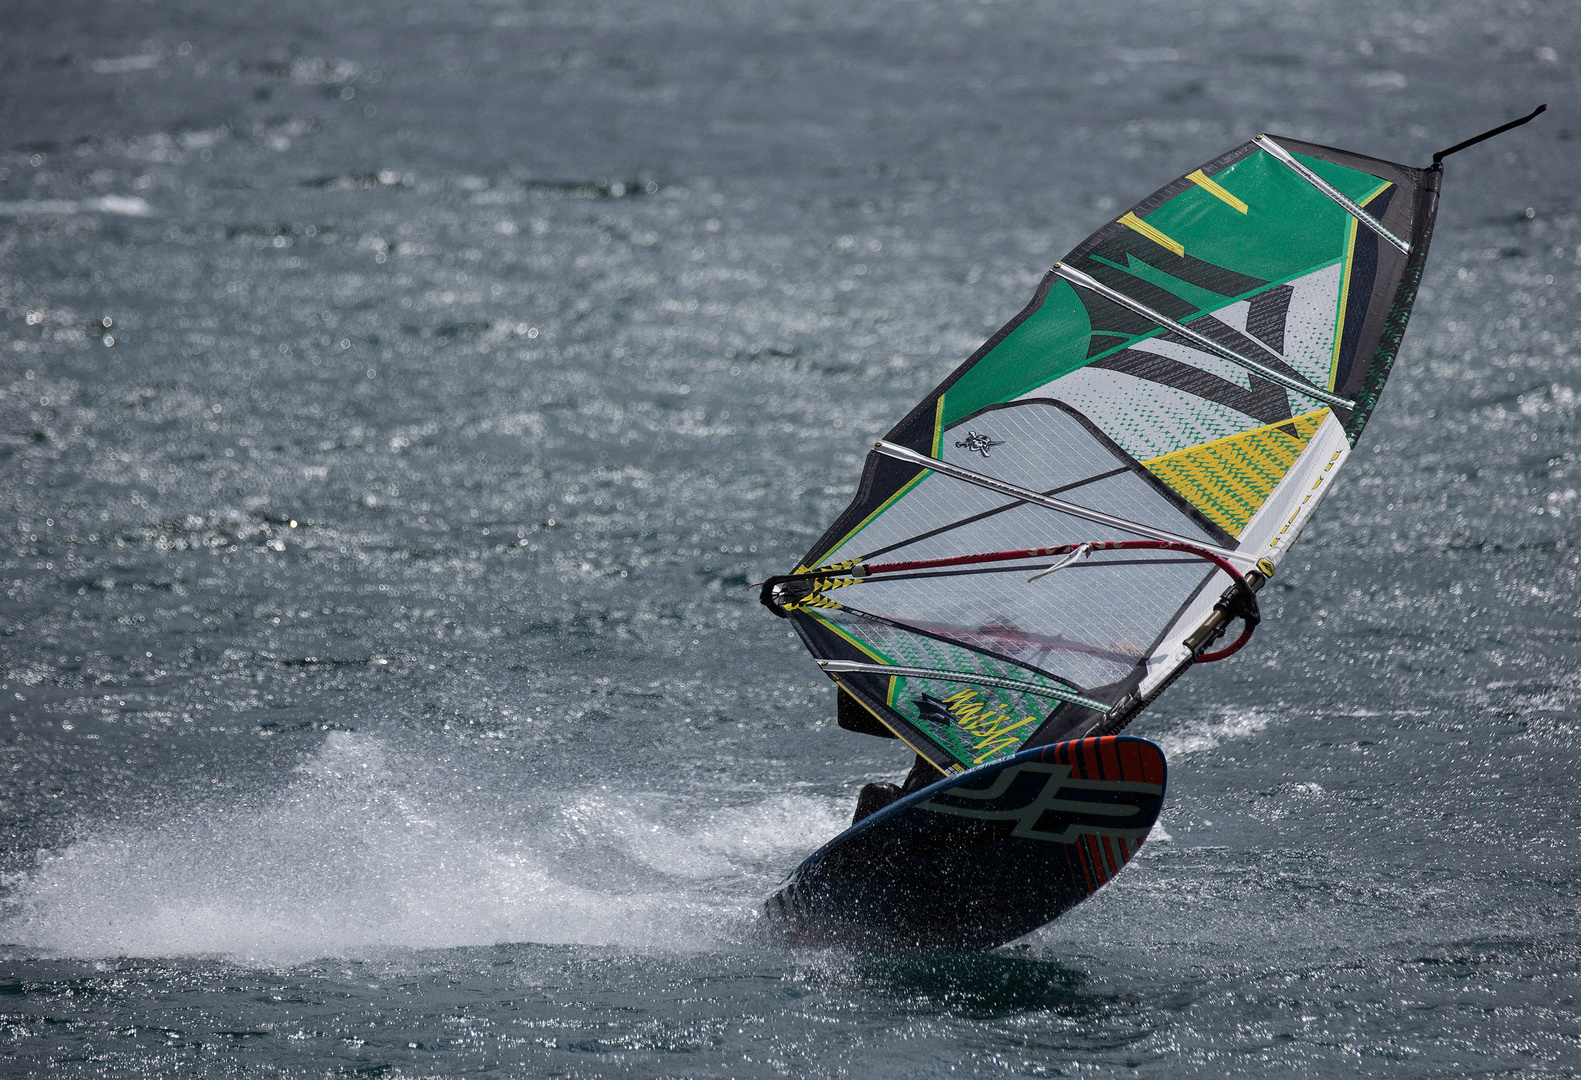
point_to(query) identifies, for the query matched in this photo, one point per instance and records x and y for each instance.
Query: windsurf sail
(1082, 509)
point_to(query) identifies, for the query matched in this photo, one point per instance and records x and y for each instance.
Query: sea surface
(397, 400)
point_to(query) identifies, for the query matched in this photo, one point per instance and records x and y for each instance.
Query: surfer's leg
(923, 772)
(874, 797)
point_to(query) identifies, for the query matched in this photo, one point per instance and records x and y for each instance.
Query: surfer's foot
(873, 798)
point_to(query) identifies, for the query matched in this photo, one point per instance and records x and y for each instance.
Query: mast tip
(1438, 158)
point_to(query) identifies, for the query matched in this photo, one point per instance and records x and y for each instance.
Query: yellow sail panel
(1229, 479)
(1201, 179)
(1136, 224)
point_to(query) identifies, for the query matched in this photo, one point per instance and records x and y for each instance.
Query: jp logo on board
(1049, 804)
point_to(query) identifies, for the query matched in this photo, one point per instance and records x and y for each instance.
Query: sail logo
(977, 443)
(992, 727)
(1046, 803)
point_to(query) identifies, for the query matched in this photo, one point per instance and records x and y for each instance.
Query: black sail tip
(1438, 158)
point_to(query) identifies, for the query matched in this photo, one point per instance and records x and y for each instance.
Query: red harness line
(863, 570)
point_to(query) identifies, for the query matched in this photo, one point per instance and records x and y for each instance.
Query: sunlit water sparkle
(396, 403)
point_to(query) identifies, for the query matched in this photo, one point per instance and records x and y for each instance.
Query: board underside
(983, 857)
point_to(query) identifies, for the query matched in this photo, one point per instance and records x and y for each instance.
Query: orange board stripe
(1152, 765)
(1130, 761)
(1097, 859)
(1108, 851)
(1111, 758)
(1086, 867)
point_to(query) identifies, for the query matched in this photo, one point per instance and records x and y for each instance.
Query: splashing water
(1197, 736)
(362, 852)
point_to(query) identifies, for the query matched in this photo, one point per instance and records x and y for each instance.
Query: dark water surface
(381, 691)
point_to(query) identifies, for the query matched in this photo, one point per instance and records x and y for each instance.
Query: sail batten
(970, 678)
(1300, 386)
(1289, 161)
(901, 453)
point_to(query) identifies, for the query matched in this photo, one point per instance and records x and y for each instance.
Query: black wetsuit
(874, 797)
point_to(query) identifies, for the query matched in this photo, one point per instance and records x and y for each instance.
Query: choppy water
(381, 694)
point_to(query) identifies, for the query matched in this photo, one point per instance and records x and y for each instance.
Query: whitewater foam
(361, 853)
(1197, 736)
